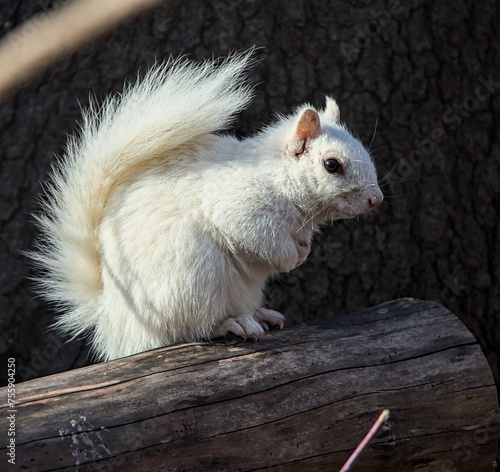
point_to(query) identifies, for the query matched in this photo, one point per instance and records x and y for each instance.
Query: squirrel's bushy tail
(174, 104)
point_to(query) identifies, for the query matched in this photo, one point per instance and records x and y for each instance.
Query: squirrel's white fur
(155, 230)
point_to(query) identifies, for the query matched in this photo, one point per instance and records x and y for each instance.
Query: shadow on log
(299, 400)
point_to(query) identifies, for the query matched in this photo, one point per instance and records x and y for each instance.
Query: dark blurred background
(419, 80)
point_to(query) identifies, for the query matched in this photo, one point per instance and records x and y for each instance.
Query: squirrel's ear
(309, 127)
(332, 110)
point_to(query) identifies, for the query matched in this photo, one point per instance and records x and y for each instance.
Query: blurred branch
(37, 43)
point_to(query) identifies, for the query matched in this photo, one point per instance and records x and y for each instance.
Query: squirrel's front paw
(302, 240)
(294, 258)
(303, 249)
(289, 257)
(287, 263)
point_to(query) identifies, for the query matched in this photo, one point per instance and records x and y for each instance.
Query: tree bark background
(423, 74)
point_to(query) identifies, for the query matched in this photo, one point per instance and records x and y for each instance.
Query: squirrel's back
(173, 105)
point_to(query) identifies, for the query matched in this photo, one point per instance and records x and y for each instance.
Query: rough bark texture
(299, 400)
(423, 73)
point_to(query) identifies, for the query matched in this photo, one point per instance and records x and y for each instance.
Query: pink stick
(384, 416)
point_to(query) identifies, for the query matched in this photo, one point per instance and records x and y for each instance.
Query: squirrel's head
(333, 167)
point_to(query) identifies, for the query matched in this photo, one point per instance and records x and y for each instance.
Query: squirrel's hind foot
(269, 318)
(250, 326)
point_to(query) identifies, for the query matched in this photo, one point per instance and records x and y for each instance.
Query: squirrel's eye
(332, 165)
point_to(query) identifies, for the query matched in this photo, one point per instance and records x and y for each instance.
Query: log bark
(299, 400)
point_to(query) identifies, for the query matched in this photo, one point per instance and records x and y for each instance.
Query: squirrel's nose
(376, 200)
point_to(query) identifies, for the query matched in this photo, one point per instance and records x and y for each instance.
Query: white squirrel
(155, 230)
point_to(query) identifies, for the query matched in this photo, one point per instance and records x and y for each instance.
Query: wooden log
(299, 400)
